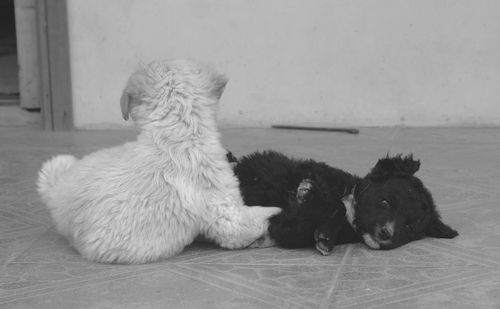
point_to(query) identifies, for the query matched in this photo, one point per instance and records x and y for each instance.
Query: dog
(325, 206)
(390, 206)
(147, 200)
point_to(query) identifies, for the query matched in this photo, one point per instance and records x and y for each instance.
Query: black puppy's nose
(384, 233)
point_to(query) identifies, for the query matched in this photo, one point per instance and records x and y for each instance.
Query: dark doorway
(9, 70)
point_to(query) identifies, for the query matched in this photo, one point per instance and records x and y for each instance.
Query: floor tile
(38, 268)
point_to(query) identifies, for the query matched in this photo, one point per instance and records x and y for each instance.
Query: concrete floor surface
(38, 269)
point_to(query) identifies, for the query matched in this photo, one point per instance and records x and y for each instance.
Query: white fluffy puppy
(148, 199)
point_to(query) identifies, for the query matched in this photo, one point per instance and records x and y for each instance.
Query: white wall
(356, 62)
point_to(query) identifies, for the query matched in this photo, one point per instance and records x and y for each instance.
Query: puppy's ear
(139, 85)
(438, 229)
(395, 166)
(219, 82)
(125, 105)
(230, 157)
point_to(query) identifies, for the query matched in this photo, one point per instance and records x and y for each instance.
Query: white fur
(148, 199)
(370, 242)
(350, 212)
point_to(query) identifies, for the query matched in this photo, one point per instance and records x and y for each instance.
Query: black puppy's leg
(309, 195)
(325, 235)
(291, 230)
(303, 190)
(310, 200)
(329, 214)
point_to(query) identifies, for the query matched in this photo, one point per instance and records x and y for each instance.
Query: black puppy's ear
(395, 166)
(438, 229)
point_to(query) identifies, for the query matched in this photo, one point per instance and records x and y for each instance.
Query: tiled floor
(459, 165)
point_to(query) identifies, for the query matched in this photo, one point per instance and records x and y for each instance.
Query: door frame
(54, 65)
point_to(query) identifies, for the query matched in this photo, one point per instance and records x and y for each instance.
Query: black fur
(271, 179)
(389, 193)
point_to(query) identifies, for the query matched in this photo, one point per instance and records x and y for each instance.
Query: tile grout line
(211, 283)
(365, 300)
(421, 288)
(336, 278)
(261, 264)
(272, 264)
(229, 279)
(463, 253)
(27, 218)
(196, 257)
(73, 283)
(468, 283)
(15, 255)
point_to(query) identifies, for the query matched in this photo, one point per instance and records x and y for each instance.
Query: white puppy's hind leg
(49, 178)
(51, 171)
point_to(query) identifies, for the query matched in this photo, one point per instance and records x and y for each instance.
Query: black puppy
(391, 207)
(386, 209)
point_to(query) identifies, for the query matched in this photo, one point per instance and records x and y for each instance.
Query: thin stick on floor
(327, 129)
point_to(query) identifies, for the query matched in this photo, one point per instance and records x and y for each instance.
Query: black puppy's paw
(323, 242)
(303, 190)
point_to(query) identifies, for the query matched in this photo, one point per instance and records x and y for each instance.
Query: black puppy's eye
(385, 204)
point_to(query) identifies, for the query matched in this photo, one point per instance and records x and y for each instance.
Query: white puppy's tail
(51, 171)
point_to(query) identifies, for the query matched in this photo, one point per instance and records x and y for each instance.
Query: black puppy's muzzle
(384, 234)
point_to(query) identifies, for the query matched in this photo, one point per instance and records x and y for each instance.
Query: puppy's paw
(258, 219)
(323, 243)
(264, 213)
(303, 190)
(263, 242)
